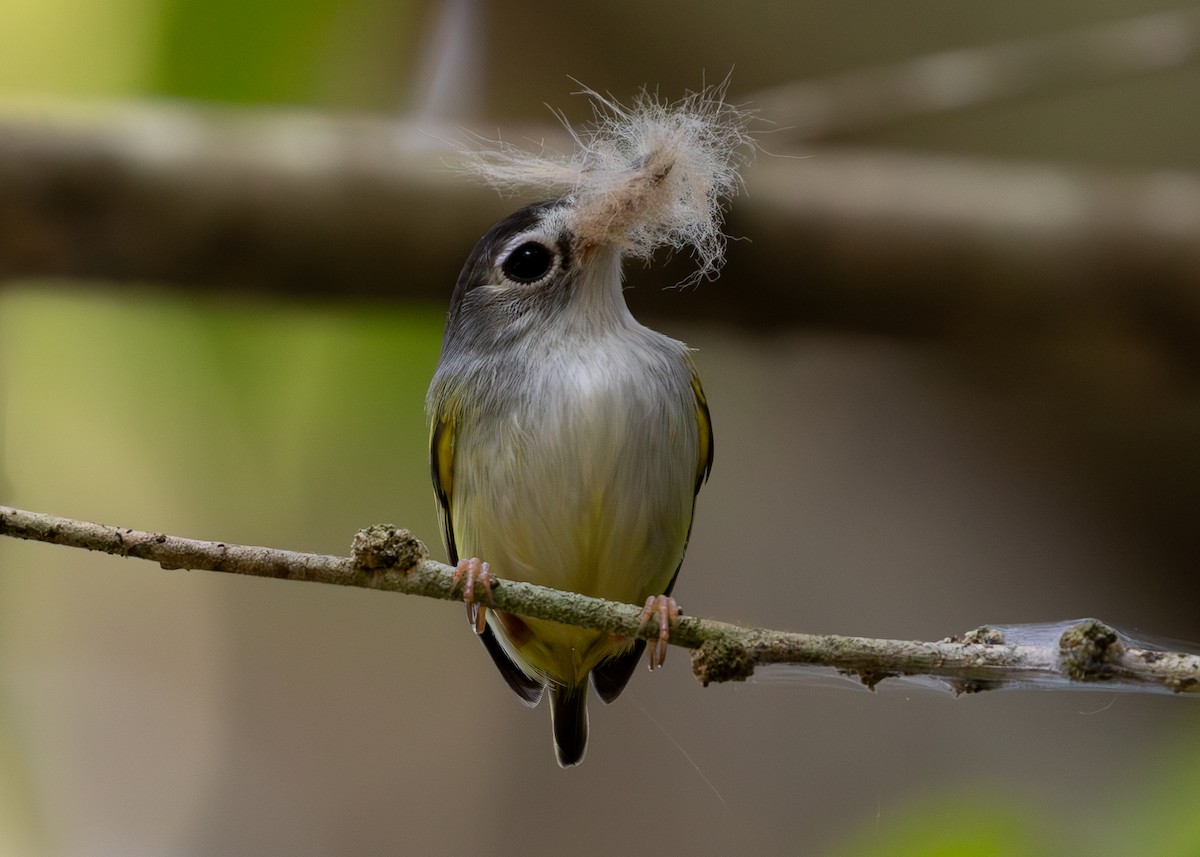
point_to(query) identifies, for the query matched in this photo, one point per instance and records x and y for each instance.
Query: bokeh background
(909, 454)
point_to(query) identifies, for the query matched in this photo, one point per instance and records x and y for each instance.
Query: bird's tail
(569, 719)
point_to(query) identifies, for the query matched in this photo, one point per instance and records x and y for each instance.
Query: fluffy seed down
(642, 177)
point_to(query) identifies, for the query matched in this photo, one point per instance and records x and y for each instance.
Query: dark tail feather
(568, 718)
(530, 690)
(610, 677)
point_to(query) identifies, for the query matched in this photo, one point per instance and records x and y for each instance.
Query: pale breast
(585, 481)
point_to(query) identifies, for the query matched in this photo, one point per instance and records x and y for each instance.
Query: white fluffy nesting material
(642, 177)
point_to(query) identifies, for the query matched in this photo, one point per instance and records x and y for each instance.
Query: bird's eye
(528, 262)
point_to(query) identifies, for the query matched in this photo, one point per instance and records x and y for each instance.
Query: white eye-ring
(529, 262)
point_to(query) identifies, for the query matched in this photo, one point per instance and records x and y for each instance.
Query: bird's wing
(610, 677)
(704, 453)
(441, 466)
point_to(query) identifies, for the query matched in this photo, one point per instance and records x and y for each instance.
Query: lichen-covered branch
(1072, 654)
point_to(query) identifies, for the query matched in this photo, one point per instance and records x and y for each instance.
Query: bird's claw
(667, 611)
(468, 574)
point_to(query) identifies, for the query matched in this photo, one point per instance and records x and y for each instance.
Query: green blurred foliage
(243, 51)
(254, 388)
(967, 824)
(236, 419)
(1000, 822)
(22, 828)
(343, 53)
(1158, 819)
(69, 47)
(272, 403)
(332, 52)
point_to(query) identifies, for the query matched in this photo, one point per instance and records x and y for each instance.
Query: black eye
(528, 263)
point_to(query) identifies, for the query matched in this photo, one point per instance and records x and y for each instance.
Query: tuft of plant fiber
(642, 177)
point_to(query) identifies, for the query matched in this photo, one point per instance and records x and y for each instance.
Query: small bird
(568, 442)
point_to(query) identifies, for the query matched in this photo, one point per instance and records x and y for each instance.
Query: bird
(569, 442)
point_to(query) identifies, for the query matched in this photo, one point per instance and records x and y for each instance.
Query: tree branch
(979, 76)
(312, 204)
(1076, 654)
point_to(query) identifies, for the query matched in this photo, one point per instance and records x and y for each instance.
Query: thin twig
(1077, 654)
(973, 77)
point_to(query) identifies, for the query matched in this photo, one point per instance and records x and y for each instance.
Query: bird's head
(642, 178)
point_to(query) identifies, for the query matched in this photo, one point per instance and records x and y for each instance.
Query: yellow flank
(441, 450)
(704, 449)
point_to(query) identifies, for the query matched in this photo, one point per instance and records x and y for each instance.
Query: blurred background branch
(321, 205)
(978, 76)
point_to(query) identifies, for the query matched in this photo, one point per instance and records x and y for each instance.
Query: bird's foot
(470, 573)
(665, 608)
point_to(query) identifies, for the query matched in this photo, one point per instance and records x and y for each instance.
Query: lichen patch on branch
(387, 546)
